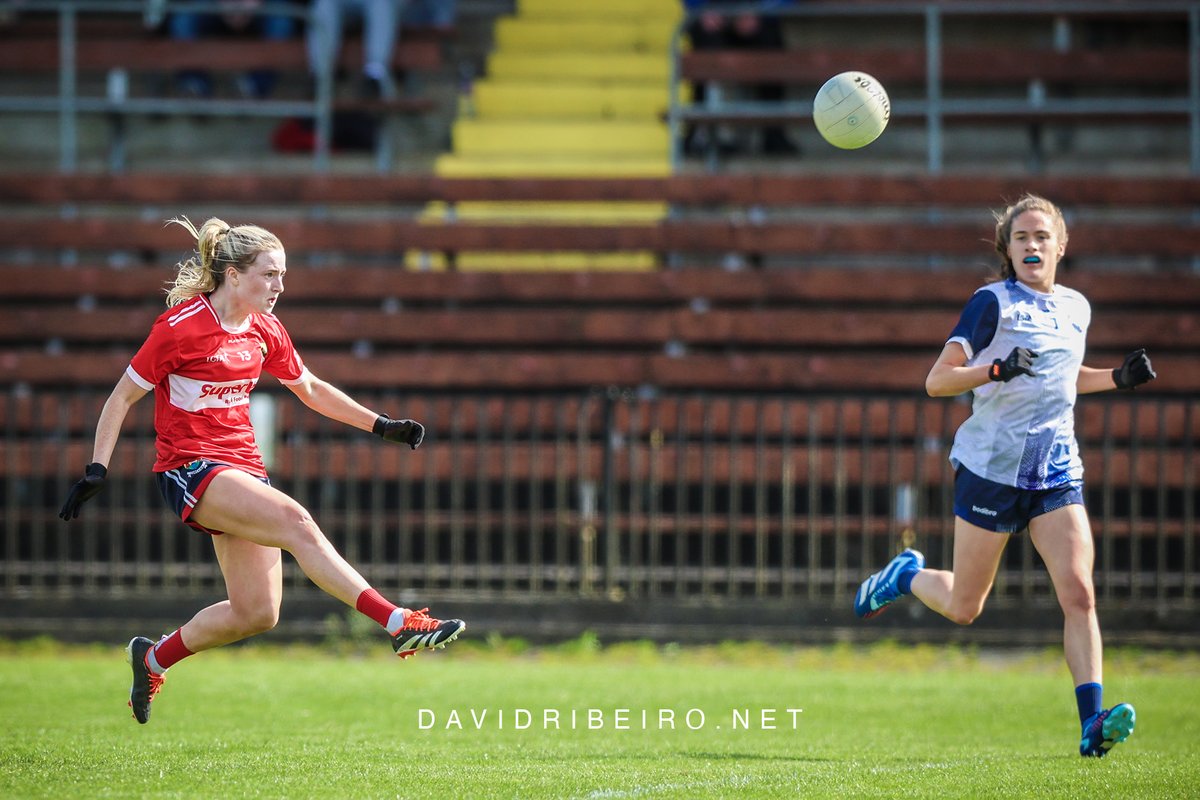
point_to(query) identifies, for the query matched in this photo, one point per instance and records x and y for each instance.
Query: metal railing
(611, 495)
(68, 104)
(935, 106)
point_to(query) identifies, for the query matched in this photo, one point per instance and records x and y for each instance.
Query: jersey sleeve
(977, 323)
(157, 358)
(281, 359)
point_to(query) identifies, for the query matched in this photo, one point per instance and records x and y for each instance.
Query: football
(851, 110)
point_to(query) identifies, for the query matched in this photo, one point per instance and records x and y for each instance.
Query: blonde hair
(1004, 223)
(219, 246)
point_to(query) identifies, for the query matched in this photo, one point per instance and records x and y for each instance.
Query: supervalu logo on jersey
(191, 394)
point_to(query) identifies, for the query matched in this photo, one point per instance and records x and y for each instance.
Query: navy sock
(904, 580)
(1089, 697)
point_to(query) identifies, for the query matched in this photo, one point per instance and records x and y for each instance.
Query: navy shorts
(183, 487)
(1007, 509)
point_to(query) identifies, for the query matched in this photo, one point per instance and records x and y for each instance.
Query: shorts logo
(987, 511)
(192, 467)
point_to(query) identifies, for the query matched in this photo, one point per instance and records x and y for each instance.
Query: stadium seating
(562, 320)
(1060, 78)
(570, 90)
(804, 320)
(114, 50)
(862, 444)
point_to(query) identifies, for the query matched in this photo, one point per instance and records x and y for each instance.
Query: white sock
(152, 662)
(396, 621)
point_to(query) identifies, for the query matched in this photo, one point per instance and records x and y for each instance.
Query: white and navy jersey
(1022, 433)
(202, 373)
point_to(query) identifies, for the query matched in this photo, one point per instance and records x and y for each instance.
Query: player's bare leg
(959, 594)
(1063, 538)
(254, 584)
(246, 508)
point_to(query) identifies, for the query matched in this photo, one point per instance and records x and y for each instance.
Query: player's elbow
(934, 387)
(941, 383)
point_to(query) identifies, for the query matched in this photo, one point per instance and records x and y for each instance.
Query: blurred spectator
(10, 11)
(438, 14)
(237, 18)
(380, 20)
(752, 30)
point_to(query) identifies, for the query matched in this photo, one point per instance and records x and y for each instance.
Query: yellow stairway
(571, 90)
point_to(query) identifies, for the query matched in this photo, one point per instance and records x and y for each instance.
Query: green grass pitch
(875, 722)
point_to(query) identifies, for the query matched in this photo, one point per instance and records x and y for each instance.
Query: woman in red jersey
(202, 358)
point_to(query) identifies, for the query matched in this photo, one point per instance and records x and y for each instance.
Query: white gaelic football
(851, 110)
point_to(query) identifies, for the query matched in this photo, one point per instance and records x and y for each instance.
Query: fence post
(67, 136)
(933, 88)
(1194, 87)
(612, 545)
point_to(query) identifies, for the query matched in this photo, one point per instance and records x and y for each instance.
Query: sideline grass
(883, 721)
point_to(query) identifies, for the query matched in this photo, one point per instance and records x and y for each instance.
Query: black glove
(1019, 362)
(1135, 371)
(87, 487)
(406, 431)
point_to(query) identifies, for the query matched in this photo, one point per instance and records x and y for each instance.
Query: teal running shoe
(1108, 728)
(881, 589)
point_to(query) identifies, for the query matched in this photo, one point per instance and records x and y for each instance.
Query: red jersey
(202, 373)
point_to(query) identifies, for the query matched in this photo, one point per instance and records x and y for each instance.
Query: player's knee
(964, 613)
(302, 529)
(1077, 599)
(257, 619)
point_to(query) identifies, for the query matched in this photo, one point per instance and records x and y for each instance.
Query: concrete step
(538, 35)
(474, 137)
(605, 10)
(524, 99)
(484, 165)
(567, 212)
(601, 68)
(546, 261)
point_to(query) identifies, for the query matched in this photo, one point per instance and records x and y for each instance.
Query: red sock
(169, 651)
(372, 604)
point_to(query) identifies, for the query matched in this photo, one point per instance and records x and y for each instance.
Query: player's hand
(1135, 371)
(1019, 362)
(405, 431)
(84, 489)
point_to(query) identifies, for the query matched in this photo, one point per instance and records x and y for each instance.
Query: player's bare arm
(330, 401)
(116, 407)
(327, 399)
(1135, 370)
(950, 376)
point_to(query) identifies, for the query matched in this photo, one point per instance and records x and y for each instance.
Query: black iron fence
(610, 494)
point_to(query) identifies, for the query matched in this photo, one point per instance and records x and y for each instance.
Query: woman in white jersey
(202, 358)
(1018, 347)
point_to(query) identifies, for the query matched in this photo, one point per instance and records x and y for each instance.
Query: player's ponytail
(218, 247)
